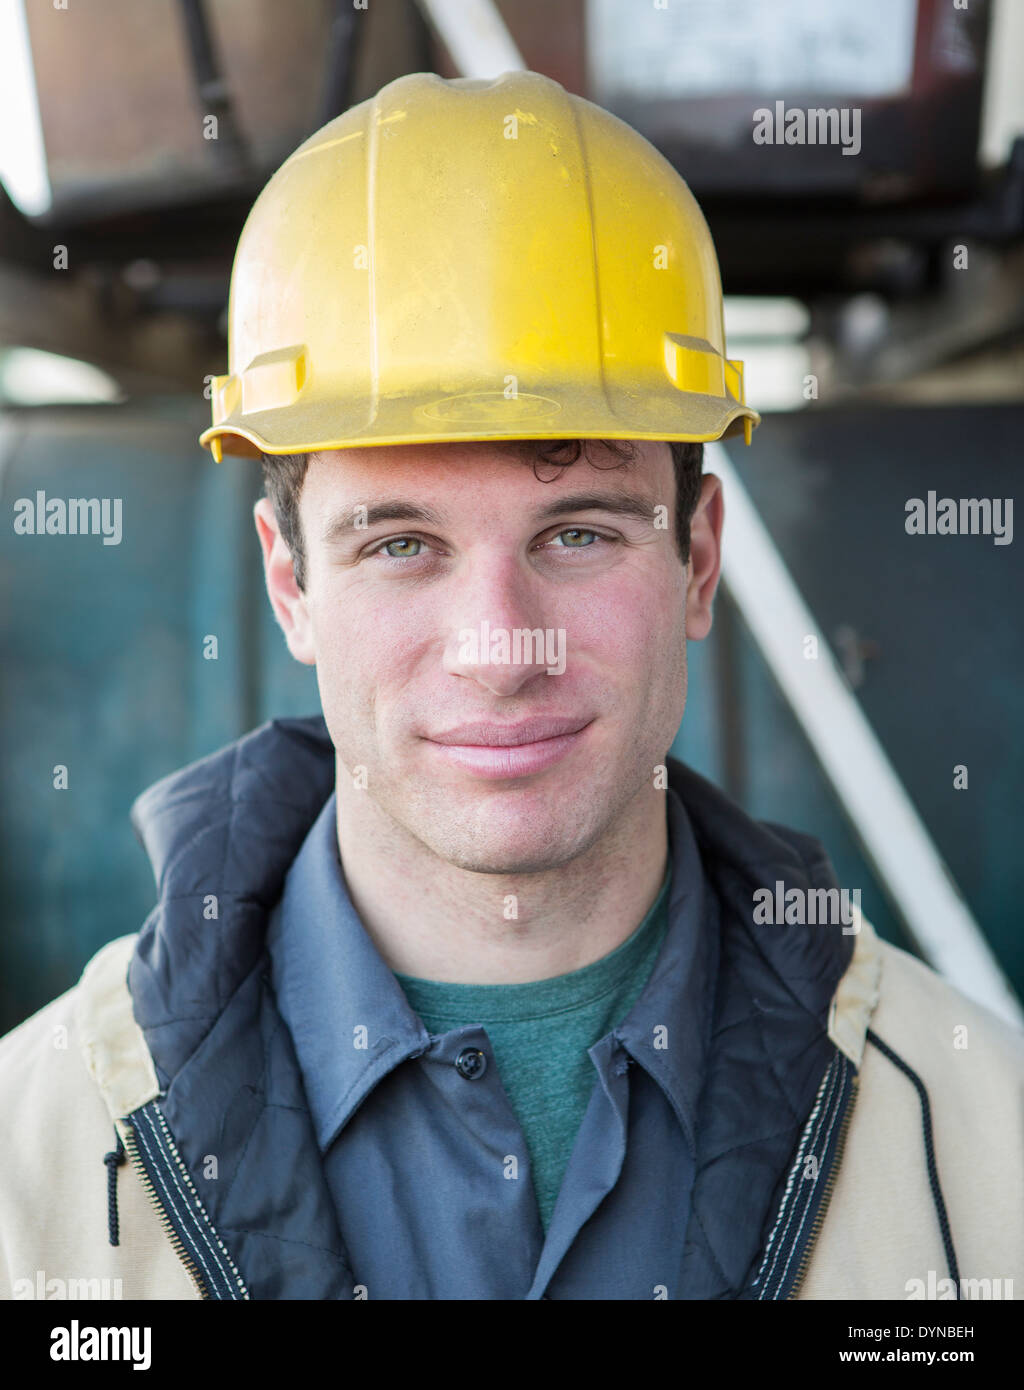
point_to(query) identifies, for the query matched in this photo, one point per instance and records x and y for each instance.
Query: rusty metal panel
(119, 103)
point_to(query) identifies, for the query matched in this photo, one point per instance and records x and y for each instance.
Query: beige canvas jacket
(72, 1070)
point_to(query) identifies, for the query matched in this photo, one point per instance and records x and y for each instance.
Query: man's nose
(496, 626)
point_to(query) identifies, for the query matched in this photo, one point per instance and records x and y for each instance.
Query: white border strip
(893, 835)
(23, 167)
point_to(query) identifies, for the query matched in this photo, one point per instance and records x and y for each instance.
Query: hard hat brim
(477, 417)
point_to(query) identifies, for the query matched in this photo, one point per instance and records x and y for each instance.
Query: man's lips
(485, 735)
(495, 751)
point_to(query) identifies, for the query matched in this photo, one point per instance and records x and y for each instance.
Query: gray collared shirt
(413, 1148)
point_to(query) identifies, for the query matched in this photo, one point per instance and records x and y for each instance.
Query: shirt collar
(668, 1029)
(352, 1024)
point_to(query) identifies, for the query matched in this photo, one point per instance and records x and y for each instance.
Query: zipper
(826, 1196)
(824, 1135)
(128, 1135)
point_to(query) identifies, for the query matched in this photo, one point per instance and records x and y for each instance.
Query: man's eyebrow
(341, 524)
(616, 503)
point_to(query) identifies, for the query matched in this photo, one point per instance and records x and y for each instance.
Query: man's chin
(504, 862)
(515, 826)
(504, 844)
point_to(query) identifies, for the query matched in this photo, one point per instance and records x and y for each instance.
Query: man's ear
(286, 598)
(705, 557)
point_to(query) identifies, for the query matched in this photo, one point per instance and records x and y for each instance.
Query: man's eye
(384, 548)
(576, 531)
(579, 538)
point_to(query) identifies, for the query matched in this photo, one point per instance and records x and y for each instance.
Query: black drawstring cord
(933, 1172)
(113, 1160)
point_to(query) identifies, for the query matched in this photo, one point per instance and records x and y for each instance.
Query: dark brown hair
(284, 474)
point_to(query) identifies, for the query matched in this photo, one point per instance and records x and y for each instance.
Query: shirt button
(471, 1063)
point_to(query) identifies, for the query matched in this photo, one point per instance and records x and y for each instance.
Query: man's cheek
(353, 692)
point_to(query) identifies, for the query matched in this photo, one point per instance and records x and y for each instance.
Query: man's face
(418, 626)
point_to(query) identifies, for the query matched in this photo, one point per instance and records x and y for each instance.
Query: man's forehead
(419, 486)
(636, 454)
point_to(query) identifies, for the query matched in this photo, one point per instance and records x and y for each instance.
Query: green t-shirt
(540, 1033)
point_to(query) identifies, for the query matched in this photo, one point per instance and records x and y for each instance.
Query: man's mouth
(510, 750)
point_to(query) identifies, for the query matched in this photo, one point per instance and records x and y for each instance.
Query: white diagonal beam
(893, 835)
(475, 35)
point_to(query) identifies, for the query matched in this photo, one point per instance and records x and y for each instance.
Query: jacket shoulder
(89, 1027)
(938, 1005)
(881, 1236)
(56, 1098)
(38, 1063)
(22, 1041)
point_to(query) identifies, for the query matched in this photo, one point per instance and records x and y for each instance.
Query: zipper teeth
(169, 1231)
(186, 1177)
(826, 1196)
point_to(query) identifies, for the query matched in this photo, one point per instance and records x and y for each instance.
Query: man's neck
(436, 921)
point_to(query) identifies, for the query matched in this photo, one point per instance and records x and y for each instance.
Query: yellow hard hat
(474, 259)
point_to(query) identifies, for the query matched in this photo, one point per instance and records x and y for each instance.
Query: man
(466, 990)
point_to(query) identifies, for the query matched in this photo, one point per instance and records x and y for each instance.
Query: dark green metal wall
(103, 666)
(104, 669)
